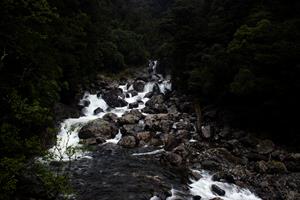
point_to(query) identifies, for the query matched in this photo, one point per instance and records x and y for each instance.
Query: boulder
(197, 197)
(98, 128)
(84, 103)
(111, 117)
(139, 85)
(98, 110)
(133, 105)
(131, 129)
(171, 159)
(156, 89)
(130, 117)
(113, 98)
(149, 95)
(144, 136)
(217, 190)
(133, 93)
(156, 99)
(128, 142)
(223, 177)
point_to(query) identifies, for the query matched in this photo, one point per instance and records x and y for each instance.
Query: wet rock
(197, 197)
(111, 117)
(133, 93)
(156, 89)
(113, 98)
(139, 85)
(156, 105)
(133, 105)
(149, 95)
(128, 142)
(156, 99)
(217, 190)
(265, 147)
(85, 103)
(223, 177)
(131, 129)
(98, 110)
(98, 128)
(128, 119)
(144, 136)
(156, 108)
(216, 198)
(195, 175)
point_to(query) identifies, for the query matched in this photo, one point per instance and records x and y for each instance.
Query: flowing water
(112, 172)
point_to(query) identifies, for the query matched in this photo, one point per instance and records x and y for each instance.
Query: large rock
(128, 142)
(156, 99)
(171, 159)
(131, 117)
(113, 98)
(98, 110)
(133, 105)
(98, 128)
(144, 136)
(156, 105)
(139, 85)
(111, 117)
(223, 177)
(217, 190)
(131, 129)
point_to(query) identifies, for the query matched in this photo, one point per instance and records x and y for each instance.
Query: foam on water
(68, 143)
(202, 187)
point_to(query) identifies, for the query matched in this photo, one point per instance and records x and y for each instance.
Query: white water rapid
(68, 145)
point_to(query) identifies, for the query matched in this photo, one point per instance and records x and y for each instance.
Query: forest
(241, 56)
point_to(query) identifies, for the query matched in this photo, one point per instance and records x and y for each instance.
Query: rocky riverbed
(145, 141)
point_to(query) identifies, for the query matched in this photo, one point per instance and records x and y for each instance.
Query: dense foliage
(242, 55)
(47, 48)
